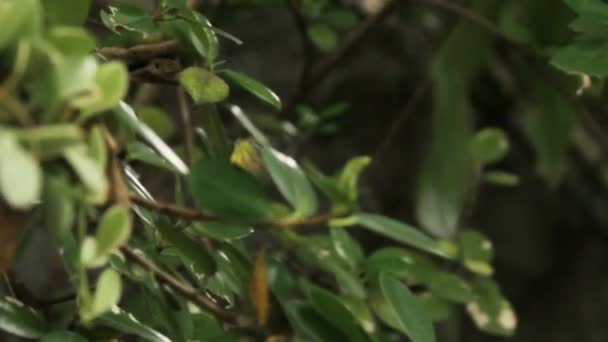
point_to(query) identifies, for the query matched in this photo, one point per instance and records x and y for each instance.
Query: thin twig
(141, 54)
(478, 20)
(186, 119)
(191, 214)
(396, 125)
(306, 42)
(9, 286)
(319, 71)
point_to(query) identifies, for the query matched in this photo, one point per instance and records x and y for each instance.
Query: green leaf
(254, 87)
(291, 181)
(448, 286)
(477, 252)
(193, 254)
(341, 19)
(323, 36)
(19, 320)
(50, 140)
(311, 324)
(124, 18)
(66, 12)
(393, 229)
(126, 114)
(408, 309)
(586, 55)
(550, 119)
(490, 311)
(91, 174)
(158, 120)
(73, 41)
(113, 230)
(20, 19)
(76, 78)
(489, 145)
(336, 312)
(126, 323)
(348, 180)
(107, 295)
(58, 207)
(203, 86)
(206, 328)
(347, 248)
(228, 191)
(20, 177)
(222, 231)
(63, 336)
(112, 80)
(501, 178)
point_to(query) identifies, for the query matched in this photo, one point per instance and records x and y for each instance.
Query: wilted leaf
(258, 289)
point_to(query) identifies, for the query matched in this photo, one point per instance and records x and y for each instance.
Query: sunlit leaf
(113, 231)
(20, 177)
(126, 323)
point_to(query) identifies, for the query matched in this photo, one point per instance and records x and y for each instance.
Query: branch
(186, 118)
(480, 21)
(141, 54)
(307, 44)
(196, 215)
(191, 293)
(323, 68)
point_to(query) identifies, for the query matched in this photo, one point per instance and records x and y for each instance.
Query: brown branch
(191, 214)
(141, 54)
(173, 210)
(186, 119)
(192, 294)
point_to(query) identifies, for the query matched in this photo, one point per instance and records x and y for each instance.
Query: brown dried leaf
(258, 288)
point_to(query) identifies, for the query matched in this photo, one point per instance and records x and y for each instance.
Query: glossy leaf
(126, 323)
(477, 252)
(126, 114)
(254, 87)
(19, 320)
(347, 248)
(392, 229)
(192, 253)
(225, 190)
(408, 310)
(333, 310)
(203, 86)
(291, 181)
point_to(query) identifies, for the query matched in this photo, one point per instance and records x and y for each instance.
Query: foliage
(69, 137)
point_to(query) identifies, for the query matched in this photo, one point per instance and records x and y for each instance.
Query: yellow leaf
(258, 288)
